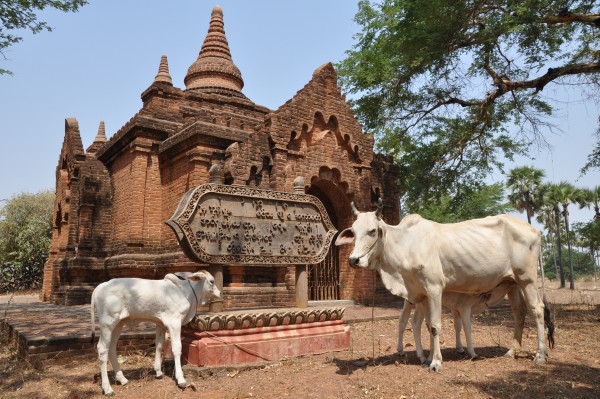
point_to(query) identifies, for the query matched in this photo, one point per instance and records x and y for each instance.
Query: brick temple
(113, 198)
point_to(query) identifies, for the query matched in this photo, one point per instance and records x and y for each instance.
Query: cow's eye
(372, 232)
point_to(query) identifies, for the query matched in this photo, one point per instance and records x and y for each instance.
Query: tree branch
(568, 17)
(552, 74)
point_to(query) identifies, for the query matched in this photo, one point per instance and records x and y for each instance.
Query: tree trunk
(559, 245)
(571, 277)
(553, 250)
(528, 207)
(594, 259)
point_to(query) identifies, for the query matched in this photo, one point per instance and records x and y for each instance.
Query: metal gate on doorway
(324, 278)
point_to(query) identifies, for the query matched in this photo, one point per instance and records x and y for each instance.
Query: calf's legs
(466, 322)
(112, 355)
(403, 322)
(417, 322)
(103, 347)
(457, 329)
(519, 311)
(175, 334)
(160, 341)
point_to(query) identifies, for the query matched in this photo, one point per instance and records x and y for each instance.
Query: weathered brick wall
(63, 232)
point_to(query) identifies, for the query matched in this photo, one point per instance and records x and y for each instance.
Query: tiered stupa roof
(214, 68)
(163, 75)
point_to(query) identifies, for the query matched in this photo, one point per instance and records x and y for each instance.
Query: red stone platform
(246, 337)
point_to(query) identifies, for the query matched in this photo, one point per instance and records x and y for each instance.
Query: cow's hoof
(460, 351)
(425, 362)
(435, 367)
(401, 353)
(539, 359)
(109, 393)
(475, 357)
(159, 376)
(182, 385)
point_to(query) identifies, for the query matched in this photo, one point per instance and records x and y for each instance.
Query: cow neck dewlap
(393, 282)
(388, 267)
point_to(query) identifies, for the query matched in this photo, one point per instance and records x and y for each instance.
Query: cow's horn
(379, 207)
(354, 210)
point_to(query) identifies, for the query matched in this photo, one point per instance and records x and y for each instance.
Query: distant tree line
(550, 203)
(25, 236)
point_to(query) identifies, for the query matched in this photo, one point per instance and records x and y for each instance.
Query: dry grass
(369, 369)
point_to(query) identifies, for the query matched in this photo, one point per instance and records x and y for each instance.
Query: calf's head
(204, 284)
(366, 234)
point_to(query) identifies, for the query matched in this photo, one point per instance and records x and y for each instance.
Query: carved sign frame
(210, 215)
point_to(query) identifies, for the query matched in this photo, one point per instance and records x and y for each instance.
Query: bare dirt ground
(370, 369)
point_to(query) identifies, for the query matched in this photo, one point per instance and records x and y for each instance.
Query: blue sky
(97, 62)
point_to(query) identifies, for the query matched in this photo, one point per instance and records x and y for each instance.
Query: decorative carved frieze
(271, 318)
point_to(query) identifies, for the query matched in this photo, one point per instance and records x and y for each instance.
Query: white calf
(462, 306)
(170, 303)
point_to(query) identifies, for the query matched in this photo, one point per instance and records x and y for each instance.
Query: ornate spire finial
(163, 75)
(214, 67)
(99, 140)
(101, 136)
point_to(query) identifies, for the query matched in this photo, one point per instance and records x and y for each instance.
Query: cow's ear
(198, 276)
(345, 237)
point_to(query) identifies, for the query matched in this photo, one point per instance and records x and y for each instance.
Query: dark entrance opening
(324, 277)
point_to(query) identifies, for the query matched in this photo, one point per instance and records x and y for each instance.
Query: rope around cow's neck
(370, 248)
(195, 308)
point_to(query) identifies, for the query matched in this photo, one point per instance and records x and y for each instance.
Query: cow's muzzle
(353, 260)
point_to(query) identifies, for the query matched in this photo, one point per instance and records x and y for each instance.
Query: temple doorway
(324, 277)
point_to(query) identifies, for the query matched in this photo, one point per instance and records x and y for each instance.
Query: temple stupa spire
(99, 140)
(214, 67)
(163, 75)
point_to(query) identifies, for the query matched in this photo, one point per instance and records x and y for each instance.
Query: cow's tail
(93, 317)
(548, 322)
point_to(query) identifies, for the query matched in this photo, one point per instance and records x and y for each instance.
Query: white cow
(170, 303)
(462, 306)
(471, 257)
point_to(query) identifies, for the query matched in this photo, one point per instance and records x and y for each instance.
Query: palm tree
(552, 199)
(591, 196)
(523, 183)
(546, 217)
(568, 194)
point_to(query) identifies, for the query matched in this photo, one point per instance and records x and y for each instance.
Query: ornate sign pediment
(230, 224)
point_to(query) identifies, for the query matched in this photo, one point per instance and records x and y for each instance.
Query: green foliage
(486, 200)
(18, 15)
(452, 87)
(583, 264)
(587, 235)
(523, 183)
(593, 160)
(590, 197)
(25, 236)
